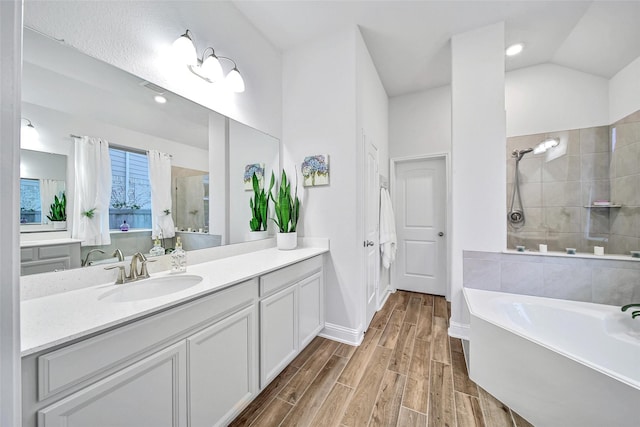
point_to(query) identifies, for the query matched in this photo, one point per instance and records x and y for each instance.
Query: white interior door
(371, 218)
(420, 203)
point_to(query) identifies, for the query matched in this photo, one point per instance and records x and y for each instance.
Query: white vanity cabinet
(147, 393)
(192, 365)
(43, 258)
(291, 314)
(199, 363)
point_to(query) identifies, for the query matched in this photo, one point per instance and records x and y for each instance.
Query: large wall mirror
(66, 93)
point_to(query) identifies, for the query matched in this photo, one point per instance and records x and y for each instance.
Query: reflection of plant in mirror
(260, 204)
(287, 208)
(58, 209)
(89, 213)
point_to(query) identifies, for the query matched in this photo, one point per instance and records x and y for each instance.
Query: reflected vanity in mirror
(67, 93)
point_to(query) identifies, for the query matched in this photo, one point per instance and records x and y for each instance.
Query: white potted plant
(259, 205)
(287, 210)
(58, 212)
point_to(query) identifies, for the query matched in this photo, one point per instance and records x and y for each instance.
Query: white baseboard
(342, 334)
(388, 291)
(459, 330)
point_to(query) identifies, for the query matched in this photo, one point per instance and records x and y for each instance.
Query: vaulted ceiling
(409, 41)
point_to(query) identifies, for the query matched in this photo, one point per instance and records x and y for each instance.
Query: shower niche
(583, 191)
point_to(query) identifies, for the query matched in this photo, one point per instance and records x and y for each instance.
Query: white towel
(388, 240)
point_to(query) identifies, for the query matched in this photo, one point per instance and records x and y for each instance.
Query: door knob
(441, 234)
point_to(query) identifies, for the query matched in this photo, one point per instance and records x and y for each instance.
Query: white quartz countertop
(56, 319)
(47, 242)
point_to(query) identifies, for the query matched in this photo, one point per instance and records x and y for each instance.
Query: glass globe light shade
(234, 81)
(211, 68)
(184, 50)
(29, 134)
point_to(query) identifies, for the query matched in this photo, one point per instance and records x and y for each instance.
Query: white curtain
(49, 188)
(92, 191)
(160, 180)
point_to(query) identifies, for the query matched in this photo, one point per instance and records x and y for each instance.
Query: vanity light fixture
(28, 133)
(514, 49)
(208, 67)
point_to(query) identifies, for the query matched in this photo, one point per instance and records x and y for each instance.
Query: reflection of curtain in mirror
(92, 191)
(160, 180)
(48, 189)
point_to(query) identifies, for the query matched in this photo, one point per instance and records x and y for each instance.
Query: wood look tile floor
(406, 372)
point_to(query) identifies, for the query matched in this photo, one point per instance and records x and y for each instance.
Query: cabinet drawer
(94, 358)
(280, 279)
(45, 266)
(27, 254)
(58, 251)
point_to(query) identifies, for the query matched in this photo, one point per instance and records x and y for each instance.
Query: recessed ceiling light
(514, 49)
(160, 99)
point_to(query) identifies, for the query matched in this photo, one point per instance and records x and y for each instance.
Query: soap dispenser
(178, 258)
(157, 248)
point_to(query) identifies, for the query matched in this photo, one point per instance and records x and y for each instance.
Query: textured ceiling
(409, 40)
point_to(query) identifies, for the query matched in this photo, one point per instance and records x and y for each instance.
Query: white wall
(135, 37)
(319, 117)
(478, 152)
(624, 92)
(548, 98)
(10, 84)
(420, 123)
(373, 119)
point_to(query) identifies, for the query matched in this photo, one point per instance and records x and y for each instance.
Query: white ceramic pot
(257, 235)
(59, 225)
(287, 241)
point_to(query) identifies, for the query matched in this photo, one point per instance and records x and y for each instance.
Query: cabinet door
(149, 393)
(223, 369)
(311, 312)
(278, 333)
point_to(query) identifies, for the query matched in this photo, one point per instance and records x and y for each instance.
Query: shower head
(518, 154)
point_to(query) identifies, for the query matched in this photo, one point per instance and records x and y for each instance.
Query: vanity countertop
(48, 242)
(60, 318)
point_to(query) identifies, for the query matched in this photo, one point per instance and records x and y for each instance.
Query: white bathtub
(556, 362)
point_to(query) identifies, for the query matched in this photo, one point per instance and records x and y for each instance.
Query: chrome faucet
(84, 262)
(134, 274)
(118, 253)
(634, 313)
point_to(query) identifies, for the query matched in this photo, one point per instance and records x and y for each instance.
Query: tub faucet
(634, 313)
(118, 253)
(85, 262)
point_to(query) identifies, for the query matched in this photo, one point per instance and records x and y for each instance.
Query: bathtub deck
(407, 372)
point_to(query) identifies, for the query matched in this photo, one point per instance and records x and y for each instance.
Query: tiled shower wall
(613, 282)
(625, 185)
(558, 187)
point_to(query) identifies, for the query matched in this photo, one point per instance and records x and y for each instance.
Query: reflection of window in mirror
(30, 206)
(130, 189)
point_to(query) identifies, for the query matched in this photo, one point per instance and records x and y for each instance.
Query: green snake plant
(58, 209)
(259, 205)
(287, 208)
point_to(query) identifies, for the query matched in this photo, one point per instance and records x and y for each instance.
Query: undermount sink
(151, 288)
